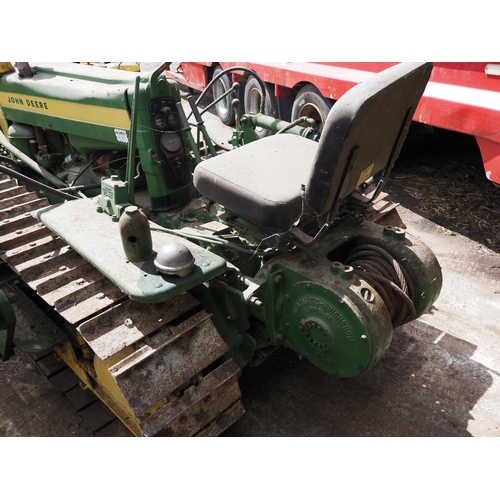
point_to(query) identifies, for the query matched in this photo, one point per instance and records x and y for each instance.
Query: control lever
(185, 131)
(200, 125)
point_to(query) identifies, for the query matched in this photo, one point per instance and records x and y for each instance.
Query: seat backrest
(363, 134)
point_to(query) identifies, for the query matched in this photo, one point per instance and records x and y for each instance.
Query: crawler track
(157, 367)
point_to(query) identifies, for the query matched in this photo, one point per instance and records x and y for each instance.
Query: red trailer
(461, 97)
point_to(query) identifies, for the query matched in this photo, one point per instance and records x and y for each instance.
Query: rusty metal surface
(10, 192)
(130, 321)
(49, 282)
(224, 421)
(198, 406)
(33, 249)
(10, 226)
(9, 213)
(170, 351)
(24, 268)
(6, 184)
(163, 367)
(52, 266)
(12, 237)
(19, 199)
(63, 278)
(65, 285)
(93, 299)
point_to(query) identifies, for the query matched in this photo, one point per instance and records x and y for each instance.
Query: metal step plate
(96, 237)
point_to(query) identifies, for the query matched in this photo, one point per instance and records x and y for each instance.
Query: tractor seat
(261, 181)
(273, 181)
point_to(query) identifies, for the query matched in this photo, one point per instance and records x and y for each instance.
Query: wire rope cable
(388, 278)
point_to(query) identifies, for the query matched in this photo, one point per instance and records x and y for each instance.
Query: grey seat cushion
(261, 182)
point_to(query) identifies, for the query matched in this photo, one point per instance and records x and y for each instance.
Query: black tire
(224, 108)
(253, 99)
(311, 104)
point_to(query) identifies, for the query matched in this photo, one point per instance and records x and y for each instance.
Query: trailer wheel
(253, 100)
(310, 103)
(224, 108)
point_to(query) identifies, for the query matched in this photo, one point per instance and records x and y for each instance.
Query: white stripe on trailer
(480, 98)
(488, 99)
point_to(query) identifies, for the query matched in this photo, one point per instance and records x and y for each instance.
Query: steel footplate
(156, 366)
(139, 280)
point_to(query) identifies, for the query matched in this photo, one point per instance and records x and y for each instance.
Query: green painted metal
(114, 197)
(88, 109)
(323, 315)
(263, 290)
(61, 96)
(139, 280)
(244, 132)
(313, 304)
(130, 171)
(29, 161)
(135, 234)
(20, 136)
(201, 131)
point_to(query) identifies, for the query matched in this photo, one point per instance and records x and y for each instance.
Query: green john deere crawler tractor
(169, 267)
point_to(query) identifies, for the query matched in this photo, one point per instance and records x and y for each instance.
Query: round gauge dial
(160, 121)
(172, 119)
(170, 141)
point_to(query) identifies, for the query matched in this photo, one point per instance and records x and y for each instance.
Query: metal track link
(158, 367)
(101, 420)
